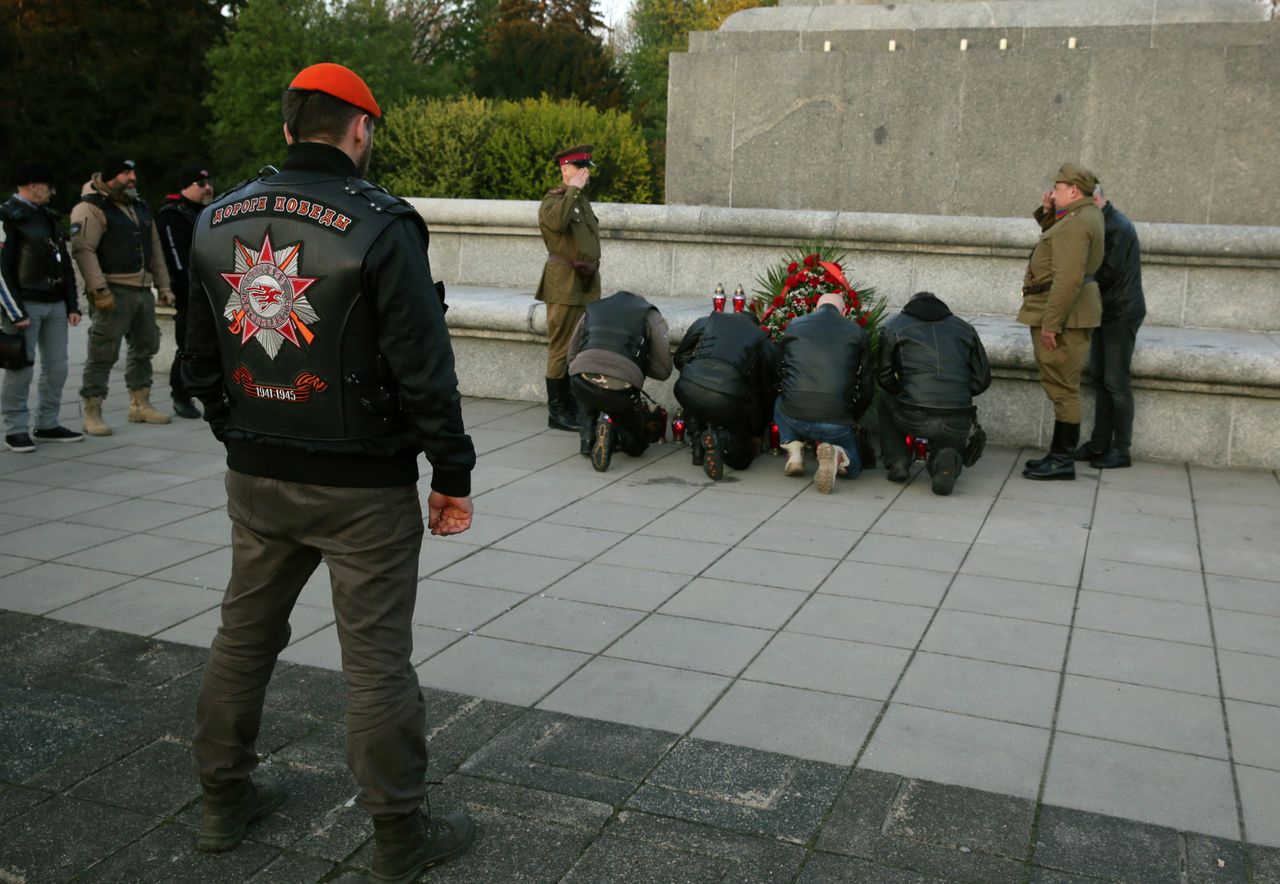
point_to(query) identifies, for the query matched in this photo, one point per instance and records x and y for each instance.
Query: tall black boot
(1059, 464)
(585, 425)
(1054, 444)
(558, 416)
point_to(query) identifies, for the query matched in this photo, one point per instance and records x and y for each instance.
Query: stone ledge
(1191, 359)
(622, 221)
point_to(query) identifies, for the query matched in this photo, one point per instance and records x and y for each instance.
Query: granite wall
(968, 108)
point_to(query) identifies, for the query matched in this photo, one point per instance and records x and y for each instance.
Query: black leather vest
(125, 247)
(619, 324)
(821, 354)
(280, 261)
(723, 358)
(39, 242)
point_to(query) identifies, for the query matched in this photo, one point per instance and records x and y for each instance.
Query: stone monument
(963, 108)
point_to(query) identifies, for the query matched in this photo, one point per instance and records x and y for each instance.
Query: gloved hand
(102, 299)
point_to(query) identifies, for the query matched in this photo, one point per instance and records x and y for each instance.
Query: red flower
(862, 321)
(779, 301)
(793, 267)
(791, 316)
(810, 260)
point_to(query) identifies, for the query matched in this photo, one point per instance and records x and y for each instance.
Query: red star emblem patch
(267, 302)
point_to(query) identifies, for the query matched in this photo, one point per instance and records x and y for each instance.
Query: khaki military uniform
(1061, 295)
(571, 233)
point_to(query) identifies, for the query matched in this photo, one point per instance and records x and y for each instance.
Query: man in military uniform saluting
(317, 344)
(1060, 302)
(571, 276)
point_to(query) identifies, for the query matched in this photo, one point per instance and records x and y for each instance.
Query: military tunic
(571, 233)
(1060, 295)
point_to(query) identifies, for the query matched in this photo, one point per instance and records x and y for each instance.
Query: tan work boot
(141, 411)
(93, 423)
(795, 458)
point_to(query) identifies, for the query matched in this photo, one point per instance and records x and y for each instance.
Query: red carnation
(791, 316)
(862, 321)
(779, 301)
(793, 267)
(810, 260)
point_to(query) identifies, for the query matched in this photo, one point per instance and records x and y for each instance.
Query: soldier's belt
(1041, 287)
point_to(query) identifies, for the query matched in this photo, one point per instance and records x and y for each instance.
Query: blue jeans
(47, 335)
(791, 429)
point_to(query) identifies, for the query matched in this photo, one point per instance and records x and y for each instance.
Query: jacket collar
(315, 156)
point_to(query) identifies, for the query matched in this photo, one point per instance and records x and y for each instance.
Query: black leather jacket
(931, 359)
(1120, 276)
(826, 368)
(728, 353)
(34, 260)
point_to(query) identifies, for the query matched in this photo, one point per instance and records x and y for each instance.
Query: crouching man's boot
(795, 458)
(405, 847)
(94, 425)
(141, 411)
(228, 814)
(562, 411)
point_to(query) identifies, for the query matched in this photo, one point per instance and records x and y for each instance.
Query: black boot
(585, 426)
(1059, 464)
(1085, 451)
(1115, 458)
(405, 848)
(1054, 444)
(558, 416)
(184, 407)
(227, 814)
(602, 448)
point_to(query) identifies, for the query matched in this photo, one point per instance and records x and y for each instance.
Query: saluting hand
(580, 178)
(448, 515)
(1046, 200)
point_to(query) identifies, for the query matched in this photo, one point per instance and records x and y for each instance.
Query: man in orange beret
(317, 344)
(571, 277)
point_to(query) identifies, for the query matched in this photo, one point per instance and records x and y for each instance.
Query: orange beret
(340, 82)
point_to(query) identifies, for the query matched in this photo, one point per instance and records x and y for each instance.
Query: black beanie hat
(190, 174)
(32, 173)
(115, 163)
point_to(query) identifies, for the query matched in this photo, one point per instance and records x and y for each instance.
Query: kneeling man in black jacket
(931, 364)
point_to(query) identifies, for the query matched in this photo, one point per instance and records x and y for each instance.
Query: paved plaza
(644, 676)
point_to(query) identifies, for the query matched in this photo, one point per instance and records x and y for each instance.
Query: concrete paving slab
(1174, 666)
(47, 587)
(562, 541)
(682, 643)
(1141, 783)
(1260, 795)
(635, 588)
(1166, 584)
(740, 604)
(784, 570)
(1016, 694)
(663, 554)
(1142, 715)
(818, 726)
(1250, 677)
(811, 540)
(459, 607)
(1011, 598)
(496, 569)
(594, 513)
(640, 694)
(13, 564)
(61, 503)
(887, 583)
(138, 554)
(50, 541)
(143, 606)
(1148, 618)
(1145, 551)
(1024, 535)
(558, 623)
(997, 639)
(138, 515)
(826, 664)
(884, 549)
(1058, 568)
(212, 526)
(952, 527)
(1253, 734)
(994, 756)
(210, 492)
(509, 672)
(862, 620)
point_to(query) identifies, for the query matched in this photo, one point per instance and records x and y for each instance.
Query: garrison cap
(32, 173)
(579, 155)
(340, 82)
(1079, 176)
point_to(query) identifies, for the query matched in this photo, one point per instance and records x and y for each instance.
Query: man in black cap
(38, 298)
(1111, 346)
(619, 342)
(117, 248)
(728, 378)
(176, 220)
(571, 276)
(316, 343)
